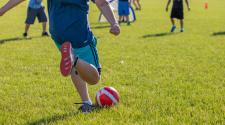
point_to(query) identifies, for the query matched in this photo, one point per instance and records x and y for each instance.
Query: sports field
(162, 78)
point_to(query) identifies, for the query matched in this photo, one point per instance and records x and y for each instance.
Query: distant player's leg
(173, 25)
(173, 21)
(44, 25)
(123, 19)
(120, 11)
(128, 20)
(31, 15)
(120, 19)
(181, 25)
(181, 16)
(27, 26)
(127, 12)
(135, 4)
(44, 32)
(42, 18)
(139, 4)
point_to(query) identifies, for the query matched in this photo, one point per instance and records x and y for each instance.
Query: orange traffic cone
(206, 5)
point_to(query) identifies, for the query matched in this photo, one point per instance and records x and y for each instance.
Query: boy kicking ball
(178, 13)
(70, 30)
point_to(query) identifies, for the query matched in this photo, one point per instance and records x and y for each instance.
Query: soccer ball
(107, 97)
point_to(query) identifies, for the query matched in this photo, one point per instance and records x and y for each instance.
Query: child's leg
(44, 32)
(139, 5)
(31, 15)
(87, 72)
(27, 26)
(81, 87)
(135, 4)
(44, 25)
(128, 20)
(174, 25)
(42, 18)
(120, 18)
(173, 21)
(123, 19)
(182, 24)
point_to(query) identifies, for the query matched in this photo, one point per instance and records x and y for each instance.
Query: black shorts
(177, 13)
(33, 13)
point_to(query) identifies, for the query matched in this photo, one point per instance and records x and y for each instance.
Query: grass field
(164, 78)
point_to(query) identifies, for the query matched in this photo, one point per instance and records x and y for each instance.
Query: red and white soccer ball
(107, 97)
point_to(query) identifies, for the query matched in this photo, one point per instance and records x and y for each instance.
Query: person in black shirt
(177, 12)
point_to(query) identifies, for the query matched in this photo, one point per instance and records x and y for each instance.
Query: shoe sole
(66, 64)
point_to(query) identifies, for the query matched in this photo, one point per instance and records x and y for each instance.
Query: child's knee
(95, 79)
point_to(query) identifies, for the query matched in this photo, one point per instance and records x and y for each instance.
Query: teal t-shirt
(35, 4)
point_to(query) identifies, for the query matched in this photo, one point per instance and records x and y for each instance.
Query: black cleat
(86, 108)
(25, 35)
(45, 34)
(128, 23)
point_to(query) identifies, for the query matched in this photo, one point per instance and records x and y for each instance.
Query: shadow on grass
(58, 117)
(158, 35)
(218, 33)
(100, 27)
(2, 41)
(52, 119)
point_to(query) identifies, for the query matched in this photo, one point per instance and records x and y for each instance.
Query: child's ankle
(88, 102)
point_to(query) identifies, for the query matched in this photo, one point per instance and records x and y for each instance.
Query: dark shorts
(177, 13)
(33, 13)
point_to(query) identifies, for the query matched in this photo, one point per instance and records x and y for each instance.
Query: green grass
(165, 79)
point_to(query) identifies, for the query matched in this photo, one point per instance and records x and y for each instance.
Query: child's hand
(115, 29)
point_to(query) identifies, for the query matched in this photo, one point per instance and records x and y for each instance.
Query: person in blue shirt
(70, 30)
(35, 9)
(123, 11)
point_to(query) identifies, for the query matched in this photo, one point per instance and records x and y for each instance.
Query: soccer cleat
(67, 60)
(128, 23)
(86, 108)
(45, 34)
(173, 29)
(182, 30)
(25, 35)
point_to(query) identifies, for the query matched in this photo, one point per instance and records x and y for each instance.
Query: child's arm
(106, 10)
(188, 6)
(167, 6)
(9, 5)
